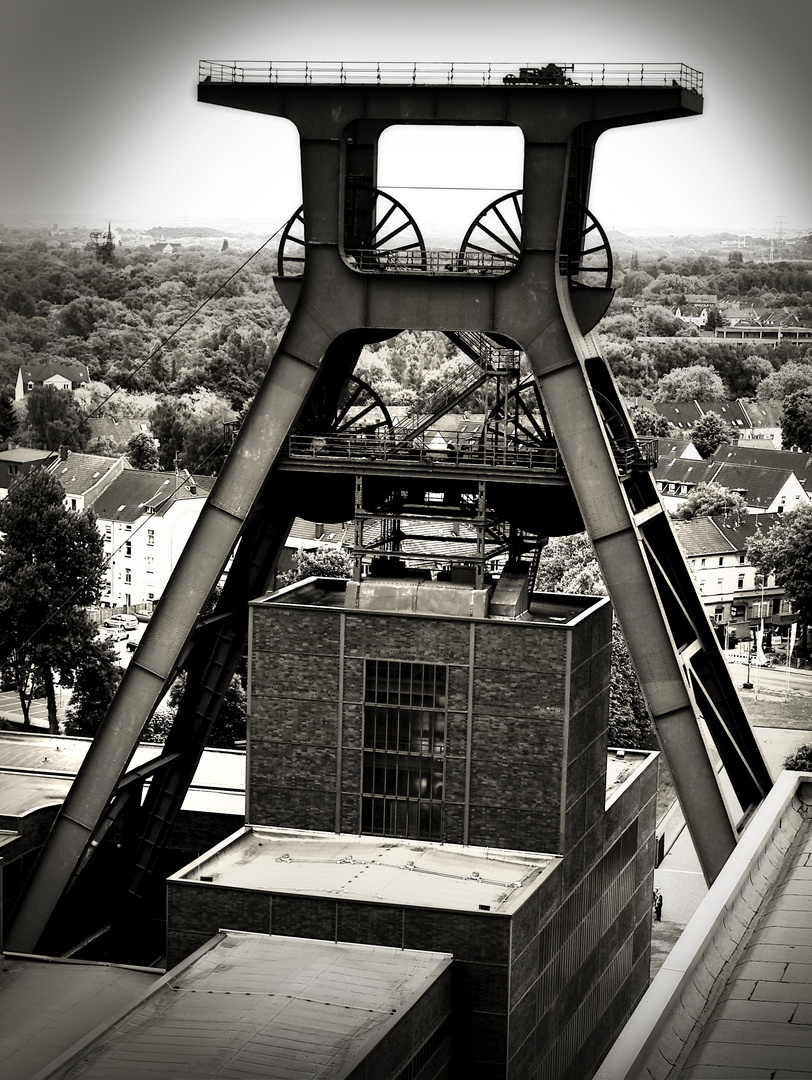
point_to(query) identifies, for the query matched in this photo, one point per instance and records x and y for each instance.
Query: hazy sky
(99, 113)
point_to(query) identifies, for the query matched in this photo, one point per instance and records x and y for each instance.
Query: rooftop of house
(255, 1005)
(800, 464)
(118, 430)
(22, 455)
(136, 492)
(78, 473)
(758, 484)
(718, 535)
(73, 370)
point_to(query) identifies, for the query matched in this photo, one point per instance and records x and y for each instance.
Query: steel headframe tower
(361, 277)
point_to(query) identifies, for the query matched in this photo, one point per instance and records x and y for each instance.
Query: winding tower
(520, 298)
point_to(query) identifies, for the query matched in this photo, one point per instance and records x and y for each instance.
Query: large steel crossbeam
(535, 306)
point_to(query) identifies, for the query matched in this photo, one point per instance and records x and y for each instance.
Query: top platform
(538, 76)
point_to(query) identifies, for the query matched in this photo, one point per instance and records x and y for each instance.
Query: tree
(647, 422)
(568, 564)
(51, 568)
(786, 551)
(142, 451)
(709, 432)
(796, 420)
(54, 419)
(319, 562)
(794, 375)
(697, 382)
(229, 727)
(712, 500)
(95, 681)
(8, 418)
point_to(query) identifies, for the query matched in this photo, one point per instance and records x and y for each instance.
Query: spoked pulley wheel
(493, 241)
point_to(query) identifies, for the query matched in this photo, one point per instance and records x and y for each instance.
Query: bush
(800, 760)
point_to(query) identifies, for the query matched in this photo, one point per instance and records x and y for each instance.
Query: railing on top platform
(385, 447)
(451, 74)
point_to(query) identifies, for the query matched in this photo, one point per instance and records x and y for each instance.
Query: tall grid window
(405, 709)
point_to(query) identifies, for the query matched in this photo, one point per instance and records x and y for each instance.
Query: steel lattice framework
(349, 287)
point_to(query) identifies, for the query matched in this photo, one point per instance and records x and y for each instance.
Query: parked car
(123, 622)
(116, 633)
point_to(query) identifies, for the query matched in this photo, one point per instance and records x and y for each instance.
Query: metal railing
(385, 447)
(382, 449)
(418, 261)
(448, 74)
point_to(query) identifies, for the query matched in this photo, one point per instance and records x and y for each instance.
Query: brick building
(428, 771)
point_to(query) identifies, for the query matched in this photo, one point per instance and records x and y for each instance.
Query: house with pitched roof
(765, 420)
(765, 490)
(117, 432)
(85, 476)
(146, 518)
(749, 418)
(799, 463)
(60, 374)
(733, 593)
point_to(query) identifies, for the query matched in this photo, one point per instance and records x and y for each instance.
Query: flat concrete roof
(47, 1005)
(37, 770)
(251, 1005)
(372, 868)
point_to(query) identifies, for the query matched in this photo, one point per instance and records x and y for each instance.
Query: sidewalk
(11, 710)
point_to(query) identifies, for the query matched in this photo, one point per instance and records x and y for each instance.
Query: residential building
(146, 518)
(61, 375)
(744, 454)
(736, 597)
(748, 418)
(85, 476)
(20, 462)
(765, 490)
(765, 420)
(117, 432)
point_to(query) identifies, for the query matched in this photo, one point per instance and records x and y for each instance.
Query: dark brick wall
(521, 735)
(580, 955)
(546, 990)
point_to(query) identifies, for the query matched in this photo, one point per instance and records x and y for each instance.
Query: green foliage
(190, 428)
(800, 760)
(95, 680)
(142, 451)
(53, 419)
(697, 382)
(229, 727)
(709, 432)
(648, 422)
(786, 551)
(51, 569)
(796, 420)
(712, 500)
(318, 562)
(568, 565)
(794, 375)
(8, 418)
